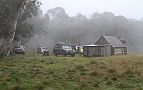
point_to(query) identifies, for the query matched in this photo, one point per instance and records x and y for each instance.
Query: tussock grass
(35, 72)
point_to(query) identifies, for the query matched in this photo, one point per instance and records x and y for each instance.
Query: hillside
(71, 73)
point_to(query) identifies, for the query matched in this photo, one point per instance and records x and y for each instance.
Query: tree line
(57, 26)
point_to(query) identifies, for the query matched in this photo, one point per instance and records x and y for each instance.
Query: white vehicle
(42, 50)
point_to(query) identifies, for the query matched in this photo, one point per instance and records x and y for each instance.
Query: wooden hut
(105, 46)
(112, 45)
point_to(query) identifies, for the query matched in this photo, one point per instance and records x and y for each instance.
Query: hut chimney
(123, 41)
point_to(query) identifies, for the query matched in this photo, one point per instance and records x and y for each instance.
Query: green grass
(34, 72)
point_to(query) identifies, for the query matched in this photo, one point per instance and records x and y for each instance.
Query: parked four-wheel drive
(64, 50)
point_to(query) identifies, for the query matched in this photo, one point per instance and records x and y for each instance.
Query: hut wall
(1, 40)
(85, 51)
(120, 50)
(99, 51)
(108, 50)
(125, 51)
(89, 51)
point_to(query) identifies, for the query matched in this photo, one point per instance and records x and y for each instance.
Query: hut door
(108, 50)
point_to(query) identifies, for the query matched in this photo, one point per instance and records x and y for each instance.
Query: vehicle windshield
(19, 46)
(16, 47)
(66, 47)
(44, 48)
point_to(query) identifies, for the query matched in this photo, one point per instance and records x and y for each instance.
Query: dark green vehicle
(63, 49)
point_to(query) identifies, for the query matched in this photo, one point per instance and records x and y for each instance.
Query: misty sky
(127, 8)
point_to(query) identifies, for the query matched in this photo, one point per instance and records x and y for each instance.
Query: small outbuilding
(106, 46)
(93, 50)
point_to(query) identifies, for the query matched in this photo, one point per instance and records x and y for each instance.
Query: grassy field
(33, 72)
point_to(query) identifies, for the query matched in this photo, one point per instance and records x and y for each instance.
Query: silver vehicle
(19, 49)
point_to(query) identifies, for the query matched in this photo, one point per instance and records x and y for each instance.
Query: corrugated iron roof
(90, 45)
(114, 41)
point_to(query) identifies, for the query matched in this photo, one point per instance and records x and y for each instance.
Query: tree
(12, 12)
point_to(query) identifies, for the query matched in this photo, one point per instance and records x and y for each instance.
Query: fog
(57, 26)
(127, 8)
